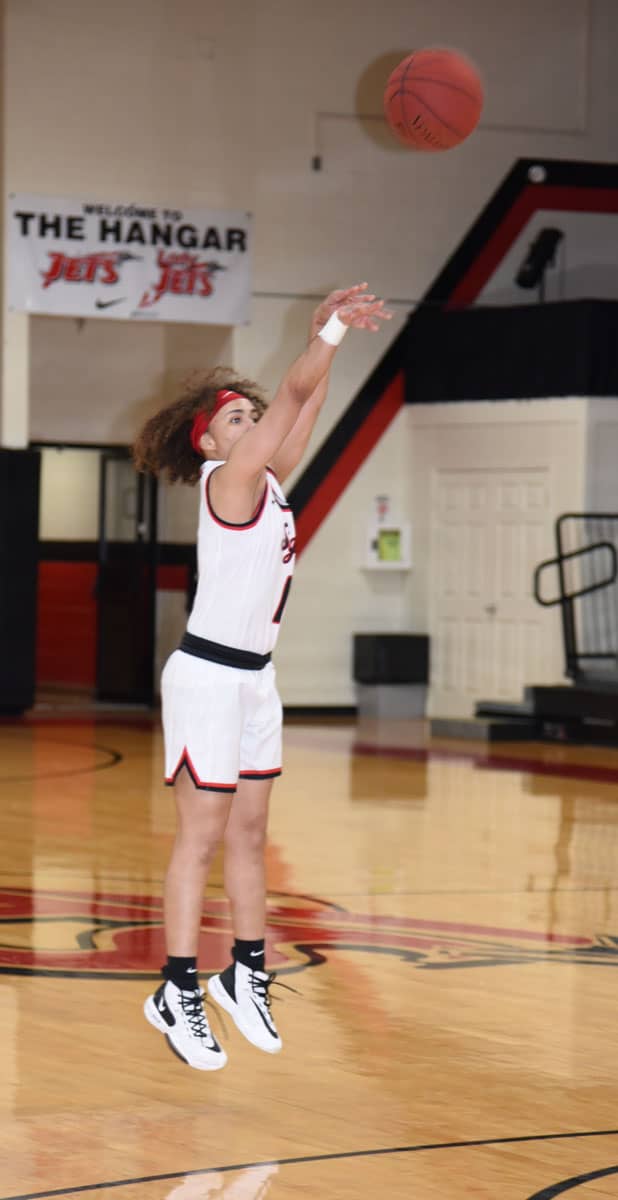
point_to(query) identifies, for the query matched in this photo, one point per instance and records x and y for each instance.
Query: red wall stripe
(354, 455)
(559, 198)
(533, 198)
(494, 250)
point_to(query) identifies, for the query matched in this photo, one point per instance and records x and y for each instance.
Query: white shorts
(222, 723)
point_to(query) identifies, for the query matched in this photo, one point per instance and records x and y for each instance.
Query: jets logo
(288, 544)
(121, 937)
(103, 268)
(181, 274)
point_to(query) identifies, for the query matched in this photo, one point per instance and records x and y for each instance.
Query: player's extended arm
(294, 445)
(259, 446)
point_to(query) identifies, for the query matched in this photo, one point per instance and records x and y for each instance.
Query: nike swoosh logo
(255, 953)
(259, 1011)
(108, 303)
(165, 1012)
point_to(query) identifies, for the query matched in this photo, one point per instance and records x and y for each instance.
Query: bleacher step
(505, 709)
(575, 703)
(486, 729)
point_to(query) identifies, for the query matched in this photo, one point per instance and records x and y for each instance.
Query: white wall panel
(526, 461)
(332, 595)
(602, 456)
(192, 102)
(69, 495)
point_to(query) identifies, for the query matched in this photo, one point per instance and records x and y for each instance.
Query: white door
(489, 637)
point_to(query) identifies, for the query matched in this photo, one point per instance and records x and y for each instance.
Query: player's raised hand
(363, 312)
(333, 301)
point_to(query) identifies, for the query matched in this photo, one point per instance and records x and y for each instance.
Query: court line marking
(312, 1158)
(115, 757)
(566, 1185)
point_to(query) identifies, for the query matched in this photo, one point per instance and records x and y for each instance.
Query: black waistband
(227, 656)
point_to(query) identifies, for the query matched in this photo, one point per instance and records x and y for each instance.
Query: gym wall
(194, 103)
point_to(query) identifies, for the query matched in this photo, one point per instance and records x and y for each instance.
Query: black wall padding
(19, 525)
(568, 348)
(391, 658)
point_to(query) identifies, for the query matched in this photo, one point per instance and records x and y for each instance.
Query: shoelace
(193, 1008)
(261, 983)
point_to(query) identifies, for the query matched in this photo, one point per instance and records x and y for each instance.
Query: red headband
(203, 419)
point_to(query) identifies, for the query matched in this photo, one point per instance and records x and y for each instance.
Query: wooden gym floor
(447, 913)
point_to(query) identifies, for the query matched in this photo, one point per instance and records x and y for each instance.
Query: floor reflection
(251, 1184)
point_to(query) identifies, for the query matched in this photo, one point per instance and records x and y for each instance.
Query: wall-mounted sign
(90, 258)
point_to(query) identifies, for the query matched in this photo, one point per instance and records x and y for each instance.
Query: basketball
(433, 99)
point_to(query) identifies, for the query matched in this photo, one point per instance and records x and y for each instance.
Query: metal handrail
(558, 561)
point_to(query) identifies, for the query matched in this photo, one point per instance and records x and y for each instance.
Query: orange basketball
(433, 99)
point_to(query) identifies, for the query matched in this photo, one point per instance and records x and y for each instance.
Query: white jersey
(244, 571)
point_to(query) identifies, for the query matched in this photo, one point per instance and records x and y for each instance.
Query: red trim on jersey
(230, 524)
(185, 761)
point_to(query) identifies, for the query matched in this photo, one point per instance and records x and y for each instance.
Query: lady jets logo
(121, 937)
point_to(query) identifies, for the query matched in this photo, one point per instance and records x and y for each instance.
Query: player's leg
(244, 869)
(176, 1008)
(201, 818)
(202, 720)
(201, 723)
(243, 988)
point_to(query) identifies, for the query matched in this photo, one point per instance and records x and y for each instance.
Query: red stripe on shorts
(185, 761)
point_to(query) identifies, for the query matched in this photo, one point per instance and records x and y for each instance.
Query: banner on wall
(88, 258)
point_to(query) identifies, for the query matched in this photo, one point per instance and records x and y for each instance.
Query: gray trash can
(391, 672)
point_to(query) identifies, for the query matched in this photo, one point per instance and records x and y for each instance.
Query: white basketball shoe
(243, 993)
(181, 1017)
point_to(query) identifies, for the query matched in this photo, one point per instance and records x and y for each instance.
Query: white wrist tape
(334, 331)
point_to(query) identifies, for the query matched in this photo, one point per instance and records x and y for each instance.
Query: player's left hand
(336, 300)
(363, 312)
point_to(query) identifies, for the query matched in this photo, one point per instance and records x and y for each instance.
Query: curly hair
(163, 445)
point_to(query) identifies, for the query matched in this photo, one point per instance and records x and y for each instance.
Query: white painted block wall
(195, 103)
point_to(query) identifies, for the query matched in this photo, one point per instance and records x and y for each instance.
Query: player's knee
(206, 851)
(200, 847)
(248, 836)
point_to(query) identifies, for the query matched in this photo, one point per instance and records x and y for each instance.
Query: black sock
(182, 972)
(250, 954)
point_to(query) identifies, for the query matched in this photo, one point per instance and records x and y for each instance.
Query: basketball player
(221, 710)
